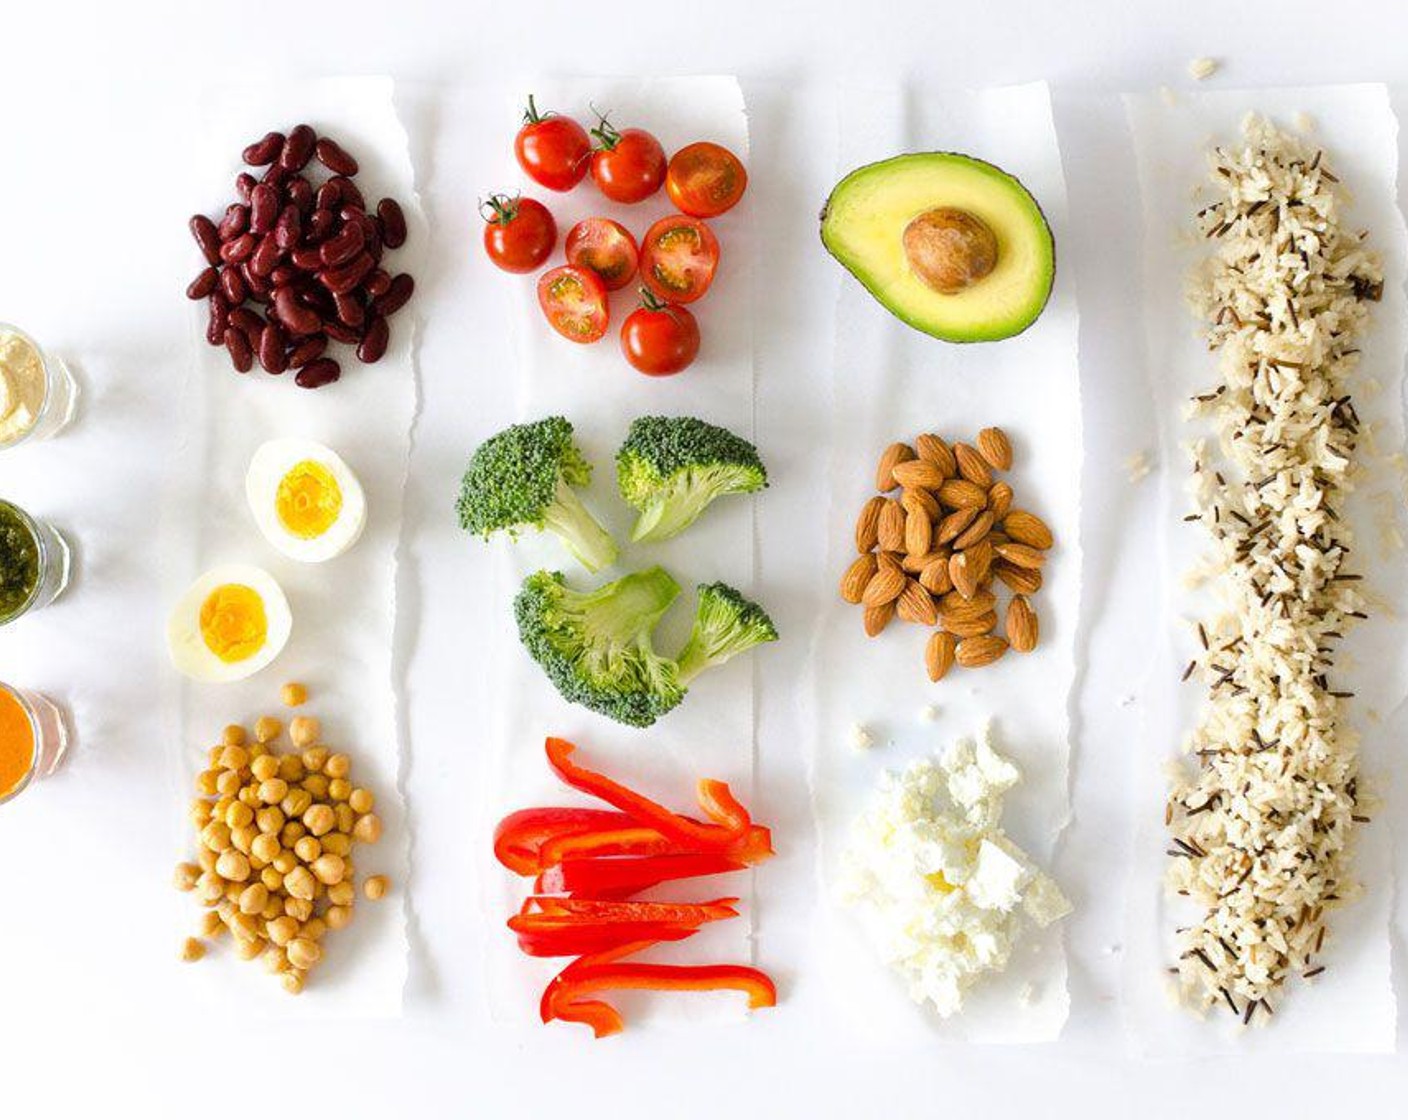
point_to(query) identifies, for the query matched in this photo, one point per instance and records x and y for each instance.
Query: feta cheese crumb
(861, 738)
(1137, 466)
(929, 713)
(1201, 69)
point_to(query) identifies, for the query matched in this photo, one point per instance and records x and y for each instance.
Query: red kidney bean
(219, 319)
(329, 196)
(273, 349)
(244, 185)
(233, 285)
(340, 332)
(310, 294)
(239, 249)
(259, 286)
(283, 275)
(351, 311)
(347, 276)
(395, 296)
(298, 149)
(374, 340)
(275, 175)
(334, 157)
(319, 226)
(235, 221)
(266, 256)
(347, 191)
(247, 321)
(299, 191)
(393, 223)
(378, 280)
(203, 284)
(289, 226)
(296, 317)
(264, 150)
(343, 245)
(316, 374)
(207, 237)
(263, 208)
(310, 349)
(307, 258)
(240, 351)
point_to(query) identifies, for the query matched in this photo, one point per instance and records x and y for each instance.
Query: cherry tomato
(659, 339)
(519, 233)
(554, 151)
(574, 301)
(629, 165)
(606, 248)
(705, 179)
(678, 256)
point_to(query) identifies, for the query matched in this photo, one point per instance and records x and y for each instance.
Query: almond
(914, 564)
(1021, 555)
(918, 532)
(891, 561)
(971, 627)
(919, 473)
(1022, 628)
(1022, 581)
(996, 448)
(1027, 528)
(974, 653)
(939, 654)
(932, 449)
(959, 493)
(857, 576)
(961, 573)
(889, 530)
(999, 500)
(883, 587)
(921, 501)
(893, 455)
(972, 466)
(954, 605)
(917, 605)
(980, 562)
(982, 525)
(934, 576)
(953, 524)
(877, 618)
(868, 524)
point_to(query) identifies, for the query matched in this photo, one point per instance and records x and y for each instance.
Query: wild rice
(1262, 812)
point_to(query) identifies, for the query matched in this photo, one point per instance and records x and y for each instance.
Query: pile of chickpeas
(277, 829)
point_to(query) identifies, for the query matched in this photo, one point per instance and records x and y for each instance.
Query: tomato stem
(532, 116)
(499, 209)
(605, 132)
(651, 302)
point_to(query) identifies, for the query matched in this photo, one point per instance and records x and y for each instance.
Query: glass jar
(34, 739)
(47, 565)
(48, 405)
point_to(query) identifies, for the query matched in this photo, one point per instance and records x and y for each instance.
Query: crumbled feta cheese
(1200, 69)
(1137, 466)
(940, 888)
(861, 738)
(929, 713)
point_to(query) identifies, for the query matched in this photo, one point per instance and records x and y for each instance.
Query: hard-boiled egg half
(305, 499)
(229, 624)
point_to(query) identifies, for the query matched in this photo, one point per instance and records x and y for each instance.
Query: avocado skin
(880, 297)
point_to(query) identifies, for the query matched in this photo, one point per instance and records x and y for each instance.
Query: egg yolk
(232, 622)
(309, 500)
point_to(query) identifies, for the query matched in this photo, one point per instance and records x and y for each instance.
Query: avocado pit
(950, 249)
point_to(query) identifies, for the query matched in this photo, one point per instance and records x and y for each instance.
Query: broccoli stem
(677, 509)
(569, 519)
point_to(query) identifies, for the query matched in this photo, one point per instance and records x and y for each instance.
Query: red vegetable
(621, 878)
(678, 258)
(555, 150)
(562, 1000)
(520, 838)
(704, 180)
(628, 165)
(659, 339)
(519, 233)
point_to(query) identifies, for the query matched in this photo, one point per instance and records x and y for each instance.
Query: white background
(95, 104)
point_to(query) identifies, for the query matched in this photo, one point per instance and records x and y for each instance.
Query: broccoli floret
(725, 625)
(671, 467)
(524, 478)
(595, 646)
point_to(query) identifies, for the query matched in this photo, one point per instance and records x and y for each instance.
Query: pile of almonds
(934, 554)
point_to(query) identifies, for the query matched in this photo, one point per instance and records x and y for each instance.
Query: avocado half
(875, 223)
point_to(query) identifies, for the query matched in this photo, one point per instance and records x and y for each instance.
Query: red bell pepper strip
(620, 878)
(685, 831)
(578, 941)
(721, 807)
(520, 836)
(600, 1016)
(596, 911)
(630, 841)
(561, 1000)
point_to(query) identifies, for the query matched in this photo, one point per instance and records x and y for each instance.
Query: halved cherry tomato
(628, 165)
(519, 233)
(606, 248)
(705, 179)
(574, 301)
(659, 339)
(553, 150)
(678, 258)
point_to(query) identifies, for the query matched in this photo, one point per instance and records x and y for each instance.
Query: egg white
(186, 646)
(271, 463)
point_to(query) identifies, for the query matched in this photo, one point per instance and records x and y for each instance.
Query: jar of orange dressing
(33, 739)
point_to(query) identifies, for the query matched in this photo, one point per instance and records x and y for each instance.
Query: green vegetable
(671, 467)
(595, 646)
(524, 478)
(19, 562)
(725, 625)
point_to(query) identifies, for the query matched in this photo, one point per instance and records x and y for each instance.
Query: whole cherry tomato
(519, 233)
(604, 247)
(659, 339)
(574, 301)
(629, 165)
(678, 258)
(555, 151)
(705, 179)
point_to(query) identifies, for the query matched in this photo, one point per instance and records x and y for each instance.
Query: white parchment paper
(712, 732)
(344, 611)
(892, 383)
(1351, 1006)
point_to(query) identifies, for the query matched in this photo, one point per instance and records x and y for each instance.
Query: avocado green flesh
(863, 227)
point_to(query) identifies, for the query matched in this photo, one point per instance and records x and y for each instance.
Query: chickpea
(264, 767)
(221, 807)
(282, 930)
(192, 949)
(231, 892)
(339, 789)
(376, 886)
(250, 796)
(361, 801)
(344, 816)
(329, 869)
(265, 847)
(343, 893)
(199, 813)
(234, 735)
(299, 909)
(216, 836)
(337, 843)
(304, 731)
(300, 884)
(249, 950)
(293, 981)
(239, 815)
(209, 889)
(242, 838)
(205, 782)
(212, 756)
(291, 834)
(257, 750)
(315, 758)
(285, 862)
(212, 924)
(206, 858)
(320, 820)
(272, 791)
(269, 819)
(337, 766)
(267, 729)
(293, 694)
(313, 929)
(274, 908)
(185, 876)
(254, 898)
(233, 866)
(272, 878)
(296, 803)
(368, 829)
(303, 953)
(234, 757)
(244, 926)
(275, 960)
(316, 785)
(338, 917)
(228, 783)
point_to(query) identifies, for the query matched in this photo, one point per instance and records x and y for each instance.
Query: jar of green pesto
(34, 563)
